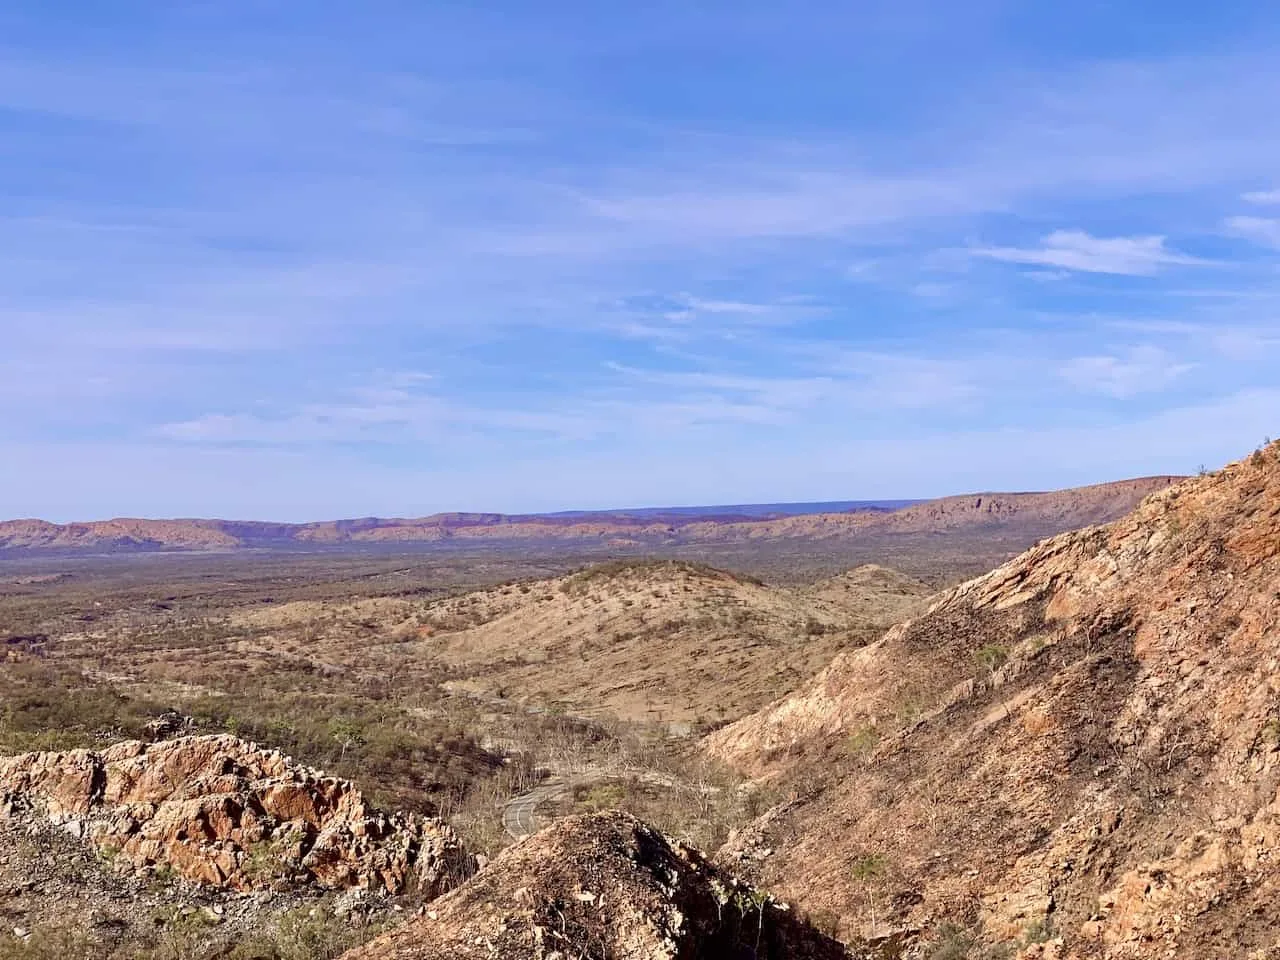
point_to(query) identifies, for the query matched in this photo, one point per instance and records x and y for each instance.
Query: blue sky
(303, 260)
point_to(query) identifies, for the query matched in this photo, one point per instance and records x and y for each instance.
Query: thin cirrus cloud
(1261, 230)
(1076, 250)
(388, 422)
(829, 382)
(1143, 369)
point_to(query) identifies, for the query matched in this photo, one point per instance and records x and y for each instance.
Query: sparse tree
(867, 870)
(347, 733)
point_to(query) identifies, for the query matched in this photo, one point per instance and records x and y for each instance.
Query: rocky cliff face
(602, 886)
(221, 811)
(1082, 746)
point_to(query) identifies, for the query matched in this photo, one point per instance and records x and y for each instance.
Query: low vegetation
(306, 933)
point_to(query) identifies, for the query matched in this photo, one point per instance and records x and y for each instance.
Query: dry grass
(307, 933)
(666, 643)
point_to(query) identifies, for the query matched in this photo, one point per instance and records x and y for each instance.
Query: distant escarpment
(1035, 513)
(220, 811)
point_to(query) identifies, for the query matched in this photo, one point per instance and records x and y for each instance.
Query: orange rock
(221, 811)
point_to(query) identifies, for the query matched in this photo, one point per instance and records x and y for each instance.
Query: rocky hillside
(1039, 512)
(602, 886)
(223, 812)
(666, 641)
(1082, 746)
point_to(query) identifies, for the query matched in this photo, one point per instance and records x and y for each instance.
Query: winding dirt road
(519, 816)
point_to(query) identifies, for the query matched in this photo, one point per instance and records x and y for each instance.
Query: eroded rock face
(1083, 742)
(222, 811)
(605, 885)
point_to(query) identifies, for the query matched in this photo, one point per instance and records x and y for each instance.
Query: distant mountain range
(737, 511)
(654, 526)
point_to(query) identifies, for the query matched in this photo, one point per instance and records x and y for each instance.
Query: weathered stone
(219, 810)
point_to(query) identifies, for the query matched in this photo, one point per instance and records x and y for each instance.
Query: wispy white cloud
(1138, 256)
(736, 307)
(377, 420)
(1263, 230)
(780, 395)
(398, 406)
(776, 198)
(836, 382)
(1262, 196)
(1144, 369)
(906, 381)
(1233, 336)
(684, 317)
(932, 290)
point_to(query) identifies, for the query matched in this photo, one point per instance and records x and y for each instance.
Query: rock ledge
(222, 811)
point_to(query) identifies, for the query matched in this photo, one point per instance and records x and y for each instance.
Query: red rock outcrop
(222, 811)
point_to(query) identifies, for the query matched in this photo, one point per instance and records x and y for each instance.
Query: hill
(1036, 512)
(665, 641)
(1082, 744)
(657, 640)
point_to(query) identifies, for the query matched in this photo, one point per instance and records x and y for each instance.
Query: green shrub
(991, 657)
(868, 867)
(52, 943)
(304, 934)
(1039, 931)
(862, 741)
(952, 943)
